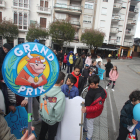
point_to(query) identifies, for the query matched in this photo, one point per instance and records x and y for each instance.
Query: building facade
(117, 18)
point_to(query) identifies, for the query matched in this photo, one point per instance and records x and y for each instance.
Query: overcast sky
(137, 34)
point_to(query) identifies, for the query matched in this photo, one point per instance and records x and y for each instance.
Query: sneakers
(112, 89)
(131, 136)
(37, 122)
(106, 87)
(84, 130)
(87, 138)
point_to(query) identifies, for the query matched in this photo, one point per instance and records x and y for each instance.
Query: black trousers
(111, 82)
(70, 67)
(123, 132)
(51, 129)
(64, 64)
(85, 80)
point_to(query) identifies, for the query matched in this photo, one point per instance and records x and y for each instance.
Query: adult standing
(88, 60)
(8, 102)
(79, 62)
(108, 66)
(70, 60)
(65, 61)
(60, 58)
(99, 59)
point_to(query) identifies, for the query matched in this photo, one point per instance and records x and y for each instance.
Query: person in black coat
(108, 67)
(85, 73)
(60, 58)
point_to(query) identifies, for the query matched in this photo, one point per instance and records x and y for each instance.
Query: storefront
(125, 51)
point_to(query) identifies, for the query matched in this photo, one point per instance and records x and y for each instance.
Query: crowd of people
(82, 71)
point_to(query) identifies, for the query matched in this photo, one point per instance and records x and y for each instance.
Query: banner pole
(29, 115)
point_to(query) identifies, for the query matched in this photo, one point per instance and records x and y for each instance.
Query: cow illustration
(32, 73)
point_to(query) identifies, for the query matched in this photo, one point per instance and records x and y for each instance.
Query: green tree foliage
(8, 30)
(62, 32)
(36, 32)
(93, 38)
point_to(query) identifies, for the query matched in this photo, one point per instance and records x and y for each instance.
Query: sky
(137, 34)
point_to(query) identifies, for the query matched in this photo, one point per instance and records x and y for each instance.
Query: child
(64, 61)
(99, 59)
(69, 89)
(93, 68)
(94, 103)
(113, 77)
(126, 117)
(52, 107)
(80, 80)
(98, 64)
(108, 67)
(85, 73)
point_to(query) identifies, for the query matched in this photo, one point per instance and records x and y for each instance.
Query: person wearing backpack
(79, 62)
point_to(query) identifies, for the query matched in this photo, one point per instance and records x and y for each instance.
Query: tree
(61, 32)
(8, 30)
(36, 32)
(93, 38)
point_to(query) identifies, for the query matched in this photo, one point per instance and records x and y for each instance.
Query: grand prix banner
(30, 69)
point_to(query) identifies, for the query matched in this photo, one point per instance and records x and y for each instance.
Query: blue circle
(10, 64)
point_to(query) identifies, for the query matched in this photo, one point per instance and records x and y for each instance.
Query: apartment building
(117, 18)
(25, 12)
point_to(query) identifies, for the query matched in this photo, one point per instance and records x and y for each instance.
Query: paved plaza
(107, 125)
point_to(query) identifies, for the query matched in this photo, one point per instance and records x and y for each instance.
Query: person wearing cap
(85, 73)
(79, 62)
(9, 96)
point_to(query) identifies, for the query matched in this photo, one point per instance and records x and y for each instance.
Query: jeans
(70, 67)
(51, 129)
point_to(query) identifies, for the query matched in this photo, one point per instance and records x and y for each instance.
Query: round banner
(30, 69)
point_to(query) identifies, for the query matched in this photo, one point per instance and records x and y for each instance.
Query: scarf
(77, 77)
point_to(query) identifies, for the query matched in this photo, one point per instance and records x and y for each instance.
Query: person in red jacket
(64, 61)
(94, 103)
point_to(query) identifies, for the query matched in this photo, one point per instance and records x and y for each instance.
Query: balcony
(112, 41)
(127, 44)
(131, 22)
(2, 4)
(128, 33)
(44, 10)
(133, 12)
(134, 2)
(117, 6)
(75, 10)
(116, 18)
(76, 23)
(114, 30)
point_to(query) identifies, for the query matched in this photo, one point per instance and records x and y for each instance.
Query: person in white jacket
(99, 59)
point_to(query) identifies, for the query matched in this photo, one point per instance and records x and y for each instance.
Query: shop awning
(110, 48)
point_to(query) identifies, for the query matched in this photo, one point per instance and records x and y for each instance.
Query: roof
(111, 48)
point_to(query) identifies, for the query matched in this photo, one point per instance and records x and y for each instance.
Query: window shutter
(41, 3)
(46, 4)
(43, 22)
(0, 16)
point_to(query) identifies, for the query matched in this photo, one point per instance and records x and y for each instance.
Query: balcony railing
(112, 41)
(135, 10)
(68, 7)
(116, 18)
(114, 30)
(77, 23)
(131, 22)
(126, 43)
(2, 4)
(44, 10)
(128, 33)
(117, 6)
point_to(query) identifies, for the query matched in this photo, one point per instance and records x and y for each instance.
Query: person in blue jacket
(70, 61)
(69, 89)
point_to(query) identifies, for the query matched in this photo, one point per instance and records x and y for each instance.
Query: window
(21, 3)
(104, 11)
(43, 3)
(87, 19)
(21, 20)
(88, 5)
(20, 40)
(102, 23)
(105, 0)
(0, 16)
(33, 22)
(43, 22)
(118, 39)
